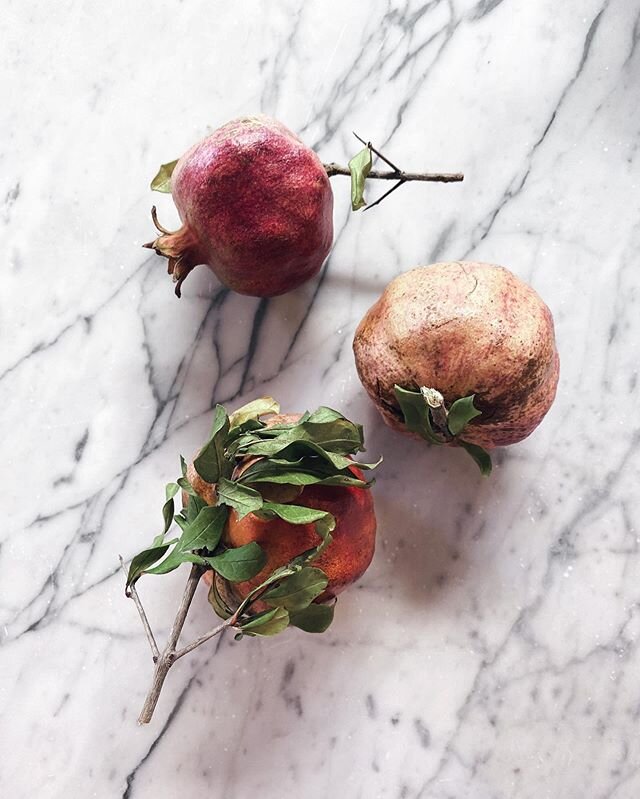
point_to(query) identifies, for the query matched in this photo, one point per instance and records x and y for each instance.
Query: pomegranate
(462, 328)
(256, 207)
(344, 561)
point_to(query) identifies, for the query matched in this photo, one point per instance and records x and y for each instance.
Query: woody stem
(399, 174)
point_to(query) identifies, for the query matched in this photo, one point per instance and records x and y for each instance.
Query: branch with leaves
(359, 169)
(426, 414)
(244, 462)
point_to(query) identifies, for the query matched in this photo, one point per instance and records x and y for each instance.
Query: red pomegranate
(256, 207)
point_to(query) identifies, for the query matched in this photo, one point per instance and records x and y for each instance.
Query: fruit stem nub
(179, 246)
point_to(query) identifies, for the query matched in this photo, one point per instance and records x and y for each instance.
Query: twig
(377, 152)
(168, 657)
(426, 177)
(386, 194)
(132, 593)
(206, 637)
(396, 173)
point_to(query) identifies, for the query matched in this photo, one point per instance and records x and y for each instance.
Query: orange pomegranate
(344, 561)
(346, 558)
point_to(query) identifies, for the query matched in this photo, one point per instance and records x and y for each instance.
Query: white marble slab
(492, 649)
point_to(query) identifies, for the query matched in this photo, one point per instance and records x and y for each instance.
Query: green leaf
(294, 514)
(210, 462)
(331, 441)
(253, 411)
(181, 520)
(461, 412)
(239, 564)
(314, 619)
(299, 449)
(324, 414)
(145, 559)
(203, 533)
(238, 432)
(186, 486)
(298, 590)
(296, 478)
(174, 559)
(206, 529)
(162, 181)
(241, 498)
(168, 508)
(217, 602)
(271, 622)
(306, 470)
(171, 489)
(183, 466)
(479, 455)
(194, 506)
(276, 429)
(275, 576)
(416, 413)
(338, 436)
(359, 166)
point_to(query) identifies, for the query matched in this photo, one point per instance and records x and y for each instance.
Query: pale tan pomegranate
(462, 328)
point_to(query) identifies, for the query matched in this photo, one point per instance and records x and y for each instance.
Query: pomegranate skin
(462, 328)
(257, 207)
(344, 561)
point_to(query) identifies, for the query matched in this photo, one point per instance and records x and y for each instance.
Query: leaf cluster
(419, 410)
(241, 458)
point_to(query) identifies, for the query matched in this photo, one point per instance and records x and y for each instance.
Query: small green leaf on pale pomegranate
(359, 166)
(461, 413)
(415, 410)
(479, 455)
(314, 619)
(162, 181)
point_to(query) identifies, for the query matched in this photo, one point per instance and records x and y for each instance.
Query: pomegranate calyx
(180, 247)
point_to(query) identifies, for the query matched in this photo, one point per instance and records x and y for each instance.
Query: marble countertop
(491, 651)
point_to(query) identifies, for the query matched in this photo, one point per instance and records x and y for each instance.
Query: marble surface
(492, 649)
